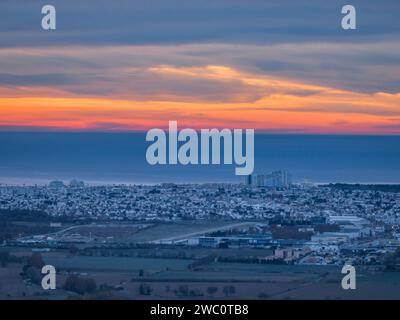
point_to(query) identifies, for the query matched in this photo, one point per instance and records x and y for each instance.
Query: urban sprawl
(301, 223)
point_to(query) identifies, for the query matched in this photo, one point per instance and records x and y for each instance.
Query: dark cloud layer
(37, 79)
(182, 21)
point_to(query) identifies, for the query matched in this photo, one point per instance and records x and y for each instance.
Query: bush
(145, 290)
(212, 290)
(183, 291)
(229, 290)
(4, 258)
(33, 274)
(36, 261)
(80, 285)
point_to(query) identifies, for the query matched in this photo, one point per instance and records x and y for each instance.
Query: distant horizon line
(120, 183)
(257, 132)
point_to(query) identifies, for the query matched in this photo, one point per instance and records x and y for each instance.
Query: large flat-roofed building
(237, 241)
(347, 219)
(329, 238)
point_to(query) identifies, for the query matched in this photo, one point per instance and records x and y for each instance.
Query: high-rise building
(275, 179)
(248, 180)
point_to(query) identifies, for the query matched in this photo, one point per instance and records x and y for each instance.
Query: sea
(35, 158)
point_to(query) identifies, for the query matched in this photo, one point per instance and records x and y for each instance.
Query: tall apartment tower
(248, 180)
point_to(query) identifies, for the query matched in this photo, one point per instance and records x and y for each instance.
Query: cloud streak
(282, 104)
(131, 65)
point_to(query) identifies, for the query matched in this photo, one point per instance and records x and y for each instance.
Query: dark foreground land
(167, 278)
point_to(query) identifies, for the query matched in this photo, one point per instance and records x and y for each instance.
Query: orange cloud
(282, 104)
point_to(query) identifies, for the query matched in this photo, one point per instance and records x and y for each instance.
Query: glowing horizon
(267, 70)
(281, 106)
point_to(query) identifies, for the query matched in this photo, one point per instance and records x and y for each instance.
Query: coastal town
(301, 223)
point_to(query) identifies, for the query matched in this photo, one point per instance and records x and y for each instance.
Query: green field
(248, 272)
(117, 264)
(162, 231)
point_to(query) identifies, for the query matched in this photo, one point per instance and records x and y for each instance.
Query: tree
(167, 289)
(32, 270)
(80, 285)
(34, 275)
(263, 295)
(145, 290)
(212, 290)
(232, 290)
(73, 250)
(4, 258)
(229, 290)
(183, 291)
(392, 261)
(36, 261)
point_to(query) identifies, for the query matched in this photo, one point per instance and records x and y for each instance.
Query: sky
(275, 66)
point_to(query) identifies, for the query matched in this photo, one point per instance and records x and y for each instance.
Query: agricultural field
(181, 230)
(117, 264)
(164, 278)
(104, 232)
(123, 233)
